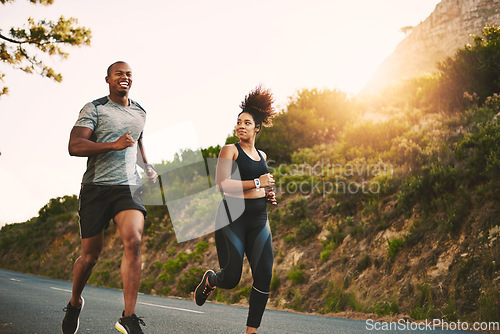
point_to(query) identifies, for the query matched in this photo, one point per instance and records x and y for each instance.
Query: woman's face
(245, 127)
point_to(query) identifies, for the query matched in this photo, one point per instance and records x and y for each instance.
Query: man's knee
(133, 245)
(90, 259)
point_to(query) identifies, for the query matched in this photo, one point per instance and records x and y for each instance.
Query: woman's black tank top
(249, 169)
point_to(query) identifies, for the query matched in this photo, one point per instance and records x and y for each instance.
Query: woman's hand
(266, 180)
(271, 197)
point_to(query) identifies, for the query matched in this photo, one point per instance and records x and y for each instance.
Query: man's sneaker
(203, 290)
(71, 320)
(130, 325)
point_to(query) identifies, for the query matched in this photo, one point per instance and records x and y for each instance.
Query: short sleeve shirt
(109, 121)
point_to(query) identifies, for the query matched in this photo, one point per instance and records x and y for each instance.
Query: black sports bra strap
(238, 147)
(240, 150)
(260, 155)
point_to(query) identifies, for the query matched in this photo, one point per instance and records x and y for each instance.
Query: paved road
(31, 304)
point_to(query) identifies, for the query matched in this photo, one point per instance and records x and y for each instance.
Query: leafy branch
(22, 48)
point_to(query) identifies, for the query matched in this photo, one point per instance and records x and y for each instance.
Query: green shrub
(327, 251)
(387, 308)
(201, 247)
(489, 305)
(423, 305)
(363, 263)
(289, 238)
(171, 269)
(306, 229)
(337, 299)
(275, 282)
(147, 285)
(165, 290)
(473, 68)
(297, 276)
(189, 280)
(394, 246)
(244, 292)
(481, 151)
(297, 301)
(296, 211)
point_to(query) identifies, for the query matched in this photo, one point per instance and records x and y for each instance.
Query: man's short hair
(116, 62)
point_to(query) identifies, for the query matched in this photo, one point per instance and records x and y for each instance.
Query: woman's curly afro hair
(259, 104)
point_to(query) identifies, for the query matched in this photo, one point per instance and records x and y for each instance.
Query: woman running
(248, 233)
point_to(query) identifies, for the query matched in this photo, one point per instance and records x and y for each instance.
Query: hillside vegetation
(388, 205)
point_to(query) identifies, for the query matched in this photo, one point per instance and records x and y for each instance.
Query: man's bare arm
(80, 144)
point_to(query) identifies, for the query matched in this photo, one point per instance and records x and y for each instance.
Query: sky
(193, 62)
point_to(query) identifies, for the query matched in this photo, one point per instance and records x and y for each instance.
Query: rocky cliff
(447, 29)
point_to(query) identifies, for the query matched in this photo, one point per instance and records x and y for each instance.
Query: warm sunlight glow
(189, 62)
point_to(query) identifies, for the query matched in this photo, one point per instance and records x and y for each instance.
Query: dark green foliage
(189, 280)
(394, 246)
(489, 305)
(364, 262)
(387, 308)
(433, 181)
(244, 292)
(212, 152)
(57, 206)
(174, 266)
(36, 235)
(232, 139)
(473, 69)
(297, 276)
(306, 229)
(296, 211)
(275, 282)
(481, 151)
(337, 299)
(422, 306)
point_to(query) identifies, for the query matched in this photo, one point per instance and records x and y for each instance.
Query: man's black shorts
(99, 204)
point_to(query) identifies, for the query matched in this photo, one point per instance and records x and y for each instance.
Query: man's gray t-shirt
(109, 121)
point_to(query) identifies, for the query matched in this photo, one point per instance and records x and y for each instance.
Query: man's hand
(124, 141)
(151, 173)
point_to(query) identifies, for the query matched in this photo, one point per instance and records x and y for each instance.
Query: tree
(313, 117)
(473, 69)
(22, 48)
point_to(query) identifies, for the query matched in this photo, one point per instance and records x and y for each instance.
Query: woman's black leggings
(249, 234)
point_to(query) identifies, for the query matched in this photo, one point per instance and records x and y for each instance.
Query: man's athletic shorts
(99, 204)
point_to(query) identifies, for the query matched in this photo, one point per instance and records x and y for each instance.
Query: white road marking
(60, 289)
(149, 304)
(172, 308)
(15, 280)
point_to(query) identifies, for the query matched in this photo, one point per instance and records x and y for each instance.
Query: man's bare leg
(91, 249)
(131, 224)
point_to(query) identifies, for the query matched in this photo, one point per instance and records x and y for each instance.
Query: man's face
(119, 79)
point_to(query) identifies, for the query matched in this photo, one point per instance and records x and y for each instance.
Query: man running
(109, 132)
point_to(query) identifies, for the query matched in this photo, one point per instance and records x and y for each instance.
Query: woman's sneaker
(203, 290)
(130, 325)
(71, 320)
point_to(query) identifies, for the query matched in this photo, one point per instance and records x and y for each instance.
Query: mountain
(446, 30)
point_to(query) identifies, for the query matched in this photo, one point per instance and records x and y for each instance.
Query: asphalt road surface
(31, 304)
